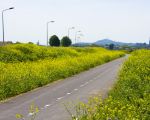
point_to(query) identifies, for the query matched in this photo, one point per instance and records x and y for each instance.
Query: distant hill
(108, 42)
(105, 42)
(82, 44)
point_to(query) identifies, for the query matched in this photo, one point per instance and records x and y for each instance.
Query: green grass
(129, 99)
(24, 67)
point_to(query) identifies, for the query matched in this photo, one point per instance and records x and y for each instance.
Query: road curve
(51, 98)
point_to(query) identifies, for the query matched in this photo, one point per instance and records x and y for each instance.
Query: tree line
(55, 41)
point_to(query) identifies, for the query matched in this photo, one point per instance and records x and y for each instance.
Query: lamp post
(80, 35)
(3, 27)
(69, 30)
(76, 35)
(48, 29)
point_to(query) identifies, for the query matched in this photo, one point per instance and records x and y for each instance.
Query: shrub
(54, 41)
(66, 41)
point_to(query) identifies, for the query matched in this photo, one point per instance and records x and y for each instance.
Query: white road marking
(47, 105)
(82, 85)
(68, 93)
(91, 80)
(31, 114)
(59, 98)
(75, 89)
(86, 82)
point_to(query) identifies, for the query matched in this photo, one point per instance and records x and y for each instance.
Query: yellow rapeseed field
(129, 99)
(24, 67)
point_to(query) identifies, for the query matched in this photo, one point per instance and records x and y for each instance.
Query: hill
(108, 41)
(105, 42)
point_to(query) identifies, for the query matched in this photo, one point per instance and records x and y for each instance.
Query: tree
(66, 41)
(30, 43)
(54, 41)
(111, 46)
(18, 42)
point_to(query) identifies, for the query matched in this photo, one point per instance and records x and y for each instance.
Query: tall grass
(30, 52)
(129, 99)
(21, 72)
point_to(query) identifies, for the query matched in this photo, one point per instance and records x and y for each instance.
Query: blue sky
(119, 20)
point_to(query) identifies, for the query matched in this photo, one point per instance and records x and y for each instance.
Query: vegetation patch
(24, 67)
(129, 99)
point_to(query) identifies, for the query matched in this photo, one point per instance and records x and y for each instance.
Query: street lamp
(48, 29)
(3, 22)
(76, 35)
(70, 29)
(80, 35)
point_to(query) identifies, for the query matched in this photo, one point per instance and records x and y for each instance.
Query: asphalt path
(53, 98)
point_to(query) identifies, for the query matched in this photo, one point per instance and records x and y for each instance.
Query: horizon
(123, 21)
(116, 41)
(94, 41)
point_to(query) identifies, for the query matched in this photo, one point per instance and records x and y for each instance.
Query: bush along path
(24, 67)
(129, 99)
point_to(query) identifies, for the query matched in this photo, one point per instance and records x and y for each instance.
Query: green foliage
(129, 99)
(28, 66)
(54, 41)
(18, 42)
(30, 43)
(33, 111)
(66, 41)
(30, 52)
(111, 46)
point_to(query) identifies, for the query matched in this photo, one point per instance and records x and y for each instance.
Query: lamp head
(11, 8)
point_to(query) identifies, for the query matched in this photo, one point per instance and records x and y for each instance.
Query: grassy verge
(129, 99)
(25, 67)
